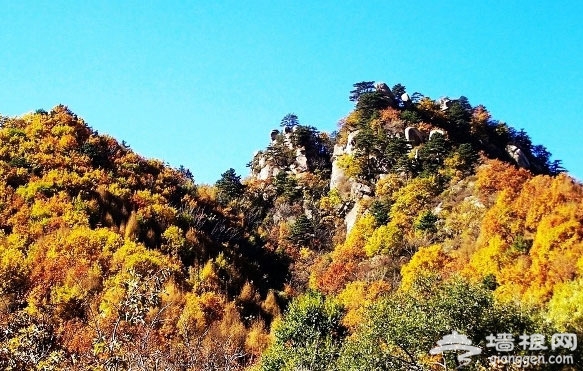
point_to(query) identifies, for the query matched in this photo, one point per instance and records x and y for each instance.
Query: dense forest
(353, 250)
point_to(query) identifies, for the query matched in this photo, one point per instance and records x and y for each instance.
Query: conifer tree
(229, 187)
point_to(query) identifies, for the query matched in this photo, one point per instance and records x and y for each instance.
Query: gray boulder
(518, 156)
(414, 136)
(301, 164)
(357, 190)
(436, 131)
(383, 88)
(445, 103)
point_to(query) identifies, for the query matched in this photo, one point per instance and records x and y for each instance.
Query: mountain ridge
(354, 250)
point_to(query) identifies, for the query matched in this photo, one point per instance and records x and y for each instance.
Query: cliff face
(284, 153)
(392, 134)
(425, 207)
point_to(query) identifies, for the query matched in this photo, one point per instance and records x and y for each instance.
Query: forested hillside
(352, 250)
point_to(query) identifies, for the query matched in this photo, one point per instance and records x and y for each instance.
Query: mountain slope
(109, 259)
(352, 250)
(427, 202)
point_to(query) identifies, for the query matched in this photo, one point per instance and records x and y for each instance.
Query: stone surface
(351, 216)
(338, 178)
(436, 131)
(267, 171)
(265, 168)
(350, 143)
(274, 134)
(444, 103)
(414, 136)
(339, 181)
(357, 190)
(383, 88)
(338, 150)
(518, 156)
(356, 210)
(301, 164)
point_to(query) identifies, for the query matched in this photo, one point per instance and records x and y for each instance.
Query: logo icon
(455, 342)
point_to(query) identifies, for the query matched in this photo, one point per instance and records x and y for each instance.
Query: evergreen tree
(411, 116)
(426, 222)
(365, 143)
(318, 147)
(361, 88)
(286, 185)
(459, 116)
(432, 154)
(398, 90)
(289, 121)
(380, 212)
(396, 154)
(467, 156)
(302, 230)
(370, 103)
(229, 187)
(308, 338)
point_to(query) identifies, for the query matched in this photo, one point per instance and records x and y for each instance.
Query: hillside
(352, 250)
(110, 260)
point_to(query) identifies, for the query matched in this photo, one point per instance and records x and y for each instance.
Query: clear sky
(201, 83)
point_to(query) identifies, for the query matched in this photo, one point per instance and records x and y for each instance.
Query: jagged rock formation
(266, 169)
(292, 157)
(349, 189)
(445, 103)
(338, 178)
(385, 90)
(517, 154)
(418, 125)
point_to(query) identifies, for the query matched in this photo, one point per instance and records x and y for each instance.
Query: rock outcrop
(517, 154)
(283, 154)
(414, 136)
(385, 90)
(445, 103)
(338, 178)
(436, 131)
(352, 215)
(266, 169)
(301, 163)
(274, 134)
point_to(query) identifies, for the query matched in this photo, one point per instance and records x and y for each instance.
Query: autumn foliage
(111, 261)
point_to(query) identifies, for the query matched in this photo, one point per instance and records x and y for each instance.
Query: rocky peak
(296, 149)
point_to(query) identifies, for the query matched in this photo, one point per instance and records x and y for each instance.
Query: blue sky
(201, 84)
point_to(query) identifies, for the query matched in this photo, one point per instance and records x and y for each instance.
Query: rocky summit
(418, 220)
